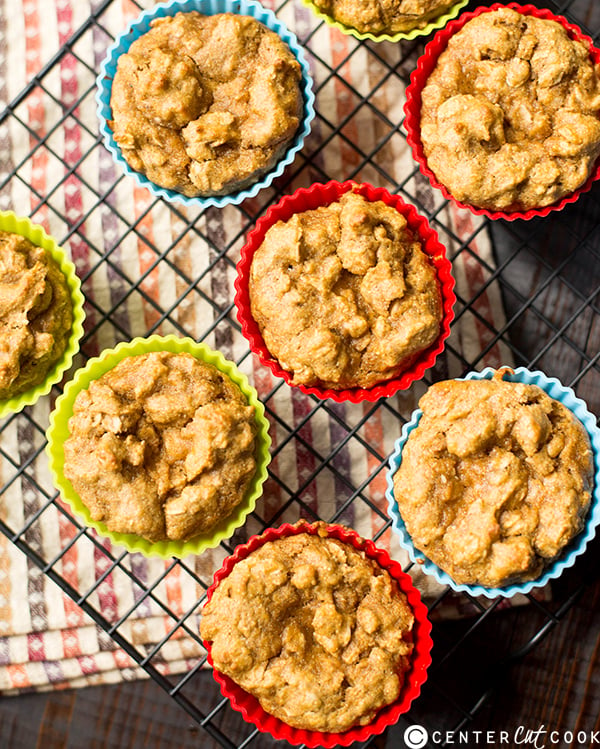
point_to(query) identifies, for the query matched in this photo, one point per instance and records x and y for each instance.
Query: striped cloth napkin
(136, 256)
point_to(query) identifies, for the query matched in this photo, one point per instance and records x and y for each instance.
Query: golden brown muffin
(319, 633)
(495, 480)
(509, 117)
(384, 16)
(343, 295)
(161, 446)
(204, 105)
(36, 314)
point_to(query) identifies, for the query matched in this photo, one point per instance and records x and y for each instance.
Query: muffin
(343, 294)
(314, 628)
(495, 480)
(162, 445)
(509, 112)
(36, 314)
(205, 105)
(385, 17)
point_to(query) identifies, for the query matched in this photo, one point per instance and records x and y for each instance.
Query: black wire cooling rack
(546, 272)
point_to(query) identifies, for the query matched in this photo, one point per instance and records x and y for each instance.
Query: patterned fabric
(150, 267)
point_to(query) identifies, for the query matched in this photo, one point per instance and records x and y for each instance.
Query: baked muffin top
(495, 480)
(162, 446)
(509, 117)
(319, 633)
(343, 295)
(205, 104)
(36, 314)
(384, 16)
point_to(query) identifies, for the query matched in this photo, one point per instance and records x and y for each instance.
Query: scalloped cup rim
(435, 24)
(141, 24)
(249, 706)
(412, 107)
(553, 387)
(37, 235)
(307, 198)
(106, 360)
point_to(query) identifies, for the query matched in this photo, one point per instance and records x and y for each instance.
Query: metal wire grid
(562, 250)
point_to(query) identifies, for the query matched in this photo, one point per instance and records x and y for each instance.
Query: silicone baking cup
(318, 195)
(58, 432)
(140, 26)
(577, 546)
(36, 234)
(433, 25)
(412, 107)
(415, 677)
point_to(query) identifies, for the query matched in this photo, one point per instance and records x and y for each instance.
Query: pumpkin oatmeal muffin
(387, 16)
(161, 446)
(204, 105)
(317, 631)
(494, 481)
(510, 113)
(36, 314)
(344, 296)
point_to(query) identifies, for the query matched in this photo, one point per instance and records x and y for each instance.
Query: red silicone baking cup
(415, 677)
(425, 65)
(316, 196)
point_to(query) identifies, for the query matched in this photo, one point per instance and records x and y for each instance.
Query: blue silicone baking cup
(140, 26)
(567, 397)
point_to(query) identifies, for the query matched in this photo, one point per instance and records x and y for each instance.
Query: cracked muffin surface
(319, 633)
(387, 16)
(204, 105)
(494, 481)
(510, 113)
(162, 446)
(36, 314)
(344, 295)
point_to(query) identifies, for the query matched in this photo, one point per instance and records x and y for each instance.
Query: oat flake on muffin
(509, 115)
(344, 295)
(319, 633)
(161, 446)
(494, 481)
(204, 105)
(36, 314)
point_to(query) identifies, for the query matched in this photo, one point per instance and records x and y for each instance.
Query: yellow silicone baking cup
(58, 432)
(36, 234)
(433, 25)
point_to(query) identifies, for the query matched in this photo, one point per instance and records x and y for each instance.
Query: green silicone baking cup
(58, 432)
(433, 25)
(35, 233)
